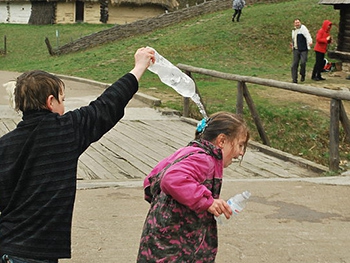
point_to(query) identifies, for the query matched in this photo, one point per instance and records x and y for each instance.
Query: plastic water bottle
(172, 76)
(175, 78)
(237, 203)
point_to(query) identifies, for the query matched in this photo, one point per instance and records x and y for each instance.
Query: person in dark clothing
(301, 42)
(323, 38)
(237, 5)
(39, 158)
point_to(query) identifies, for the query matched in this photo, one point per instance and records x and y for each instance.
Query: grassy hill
(256, 46)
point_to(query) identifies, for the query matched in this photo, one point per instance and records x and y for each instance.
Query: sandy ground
(284, 221)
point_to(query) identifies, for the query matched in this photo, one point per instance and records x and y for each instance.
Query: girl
(183, 190)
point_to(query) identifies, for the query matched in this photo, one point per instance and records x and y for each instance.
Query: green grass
(257, 46)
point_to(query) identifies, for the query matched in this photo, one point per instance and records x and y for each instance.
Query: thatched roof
(166, 3)
(334, 2)
(171, 4)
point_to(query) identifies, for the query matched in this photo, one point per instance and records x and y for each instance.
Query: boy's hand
(143, 58)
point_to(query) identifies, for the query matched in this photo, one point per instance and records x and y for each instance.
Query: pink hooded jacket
(184, 180)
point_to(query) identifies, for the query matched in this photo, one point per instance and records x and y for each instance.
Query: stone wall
(142, 26)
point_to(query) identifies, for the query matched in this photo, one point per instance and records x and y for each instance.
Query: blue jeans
(10, 259)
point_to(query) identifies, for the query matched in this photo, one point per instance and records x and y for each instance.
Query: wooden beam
(345, 122)
(255, 116)
(332, 94)
(334, 135)
(239, 102)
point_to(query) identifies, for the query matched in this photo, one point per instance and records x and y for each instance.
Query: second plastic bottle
(237, 203)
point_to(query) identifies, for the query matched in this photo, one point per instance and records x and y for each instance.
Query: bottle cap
(246, 194)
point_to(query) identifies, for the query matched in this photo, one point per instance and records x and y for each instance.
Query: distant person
(39, 159)
(237, 5)
(323, 38)
(184, 193)
(301, 42)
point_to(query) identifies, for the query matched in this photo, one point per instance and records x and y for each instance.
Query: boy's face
(58, 106)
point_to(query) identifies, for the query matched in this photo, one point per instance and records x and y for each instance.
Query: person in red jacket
(323, 38)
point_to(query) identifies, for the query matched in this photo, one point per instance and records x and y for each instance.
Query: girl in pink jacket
(183, 191)
(323, 38)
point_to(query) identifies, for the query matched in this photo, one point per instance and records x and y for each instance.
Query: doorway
(79, 11)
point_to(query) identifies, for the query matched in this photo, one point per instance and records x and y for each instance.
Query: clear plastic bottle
(175, 78)
(237, 203)
(172, 76)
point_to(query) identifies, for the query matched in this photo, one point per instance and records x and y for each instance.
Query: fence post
(5, 45)
(49, 47)
(239, 102)
(255, 115)
(345, 121)
(334, 135)
(186, 110)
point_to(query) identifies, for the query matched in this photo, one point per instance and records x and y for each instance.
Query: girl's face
(232, 149)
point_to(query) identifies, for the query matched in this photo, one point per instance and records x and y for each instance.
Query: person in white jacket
(301, 42)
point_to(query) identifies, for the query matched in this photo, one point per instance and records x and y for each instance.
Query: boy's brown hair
(34, 87)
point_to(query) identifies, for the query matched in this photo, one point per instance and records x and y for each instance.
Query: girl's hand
(220, 206)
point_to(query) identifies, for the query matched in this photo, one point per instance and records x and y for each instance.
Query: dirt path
(285, 221)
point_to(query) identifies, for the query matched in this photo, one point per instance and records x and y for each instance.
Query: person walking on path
(39, 158)
(184, 193)
(237, 5)
(301, 42)
(323, 39)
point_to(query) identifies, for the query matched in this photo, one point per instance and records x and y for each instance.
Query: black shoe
(295, 81)
(348, 77)
(315, 79)
(320, 78)
(302, 79)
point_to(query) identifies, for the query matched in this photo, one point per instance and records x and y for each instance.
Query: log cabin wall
(344, 29)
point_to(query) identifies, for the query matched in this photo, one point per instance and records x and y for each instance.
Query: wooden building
(88, 11)
(342, 51)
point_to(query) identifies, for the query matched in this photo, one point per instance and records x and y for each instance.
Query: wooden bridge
(145, 135)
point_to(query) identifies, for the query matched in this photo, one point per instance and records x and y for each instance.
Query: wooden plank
(3, 128)
(130, 146)
(159, 130)
(179, 132)
(9, 123)
(91, 160)
(124, 153)
(139, 143)
(171, 134)
(84, 172)
(146, 141)
(119, 167)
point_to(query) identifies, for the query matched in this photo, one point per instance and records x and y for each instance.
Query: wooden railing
(337, 111)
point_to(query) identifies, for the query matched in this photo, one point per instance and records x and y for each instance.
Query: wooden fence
(337, 111)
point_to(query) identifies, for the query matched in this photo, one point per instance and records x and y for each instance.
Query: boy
(38, 161)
